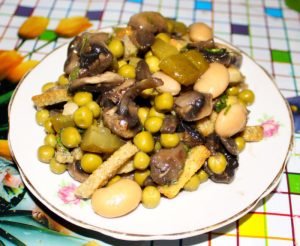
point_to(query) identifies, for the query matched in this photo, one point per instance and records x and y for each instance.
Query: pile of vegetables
(167, 88)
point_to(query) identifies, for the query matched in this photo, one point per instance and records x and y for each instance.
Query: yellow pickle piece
(180, 68)
(161, 49)
(198, 60)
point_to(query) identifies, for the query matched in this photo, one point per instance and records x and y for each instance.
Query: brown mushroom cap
(193, 105)
(150, 21)
(89, 54)
(119, 124)
(76, 172)
(167, 164)
(97, 82)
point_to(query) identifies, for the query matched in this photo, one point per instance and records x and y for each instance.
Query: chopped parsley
(74, 74)
(221, 103)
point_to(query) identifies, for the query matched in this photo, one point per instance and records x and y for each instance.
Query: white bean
(170, 85)
(235, 75)
(231, 120)
(117, 199)
(214, 81)
(200, 32)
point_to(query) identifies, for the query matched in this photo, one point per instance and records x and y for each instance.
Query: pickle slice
(60, 121)
(161, 49)
(180, 68)
(198, 60)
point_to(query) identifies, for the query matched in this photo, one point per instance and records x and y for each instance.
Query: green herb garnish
(74, 74)
(227, 109)
(221, 103)
(84, 43)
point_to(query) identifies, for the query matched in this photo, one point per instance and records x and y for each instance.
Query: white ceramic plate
(190, 213)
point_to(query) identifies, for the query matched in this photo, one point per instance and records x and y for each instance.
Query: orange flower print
(72, 26)
(15, 74)
(4, 149)
(33, 27)
(8, 60)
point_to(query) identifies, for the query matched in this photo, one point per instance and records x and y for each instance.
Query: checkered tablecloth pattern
(265, 29)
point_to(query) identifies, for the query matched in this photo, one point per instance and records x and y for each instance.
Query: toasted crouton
(206, 125)
(51, 97)
(253, 133)
(195, 160)
(127, 168)
(106, 171)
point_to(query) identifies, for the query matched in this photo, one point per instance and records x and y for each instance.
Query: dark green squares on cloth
(281, 56)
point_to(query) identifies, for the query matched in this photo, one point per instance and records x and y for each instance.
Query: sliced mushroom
(142, 39)
(72, 60)
(223, 54)
(226, 177)
(214, 81)
(123, 119)
(88, 54)
(215, 144)
(167, 164)
(76, 172)
(142, 71)
(119, 124)
(193, 105)
(96, 37)
(189, 135)
(136, 90)
(114, 95)
(150, 21)
(202, 45)
(95, 60)
(170, 124)
(230, 145)
(97, 82)
(130, 49)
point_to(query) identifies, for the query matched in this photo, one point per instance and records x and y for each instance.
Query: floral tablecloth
(265, 29)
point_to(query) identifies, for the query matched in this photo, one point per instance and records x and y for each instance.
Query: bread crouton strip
(106, 171)
(253, 133)
(51, 97)
(195, 160)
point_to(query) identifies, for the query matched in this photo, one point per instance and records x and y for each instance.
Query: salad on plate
(151, 109)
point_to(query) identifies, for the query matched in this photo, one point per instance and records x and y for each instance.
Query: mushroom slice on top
(201, 45)
(142, 71)
(97, 82)
(95, 59)
(150, 21)
(136, 90)
(123, 119)
(230, 145)
(170, 124)
(88, 54)
(193, 105)
(167, 164)
(72, 60)
(142, 39)
(114, 95)
(223, 54)
(119, 124)
(189, 135)
(76, 172)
